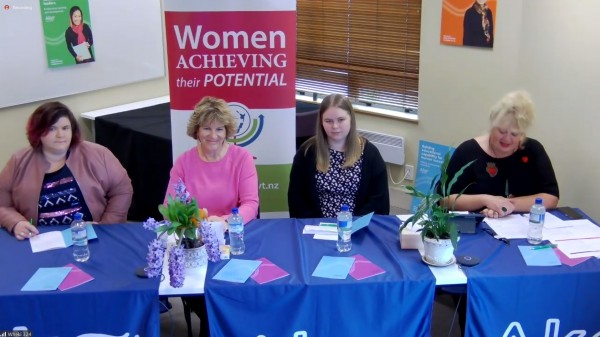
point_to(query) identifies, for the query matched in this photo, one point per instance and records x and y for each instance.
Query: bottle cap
(78, 216)
(538, 201)
(234, 210)
(345, 208)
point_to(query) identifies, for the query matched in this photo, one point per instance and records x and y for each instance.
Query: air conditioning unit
(390, 147)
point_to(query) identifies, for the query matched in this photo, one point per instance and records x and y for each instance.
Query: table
(396, 303)
(505, 296)
(116, 302)
(508, 298)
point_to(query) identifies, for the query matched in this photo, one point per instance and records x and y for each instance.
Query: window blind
(367, 50)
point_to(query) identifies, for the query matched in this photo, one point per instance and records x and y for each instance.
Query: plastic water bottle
(81, 251)
(236, 233)
(537, 215)
(344, 226)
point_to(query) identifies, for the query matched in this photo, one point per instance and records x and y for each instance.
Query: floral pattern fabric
(339, 185)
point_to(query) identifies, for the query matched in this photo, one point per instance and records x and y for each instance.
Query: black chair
(306, 123)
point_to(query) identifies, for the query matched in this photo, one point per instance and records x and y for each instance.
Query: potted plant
(182, 220)
(434, 216)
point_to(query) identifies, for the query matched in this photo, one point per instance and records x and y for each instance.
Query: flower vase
(195, 257)
(194, 253)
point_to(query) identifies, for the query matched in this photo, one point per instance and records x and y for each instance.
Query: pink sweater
(219, 186)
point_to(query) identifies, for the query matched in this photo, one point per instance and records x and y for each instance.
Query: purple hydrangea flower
(181, 192)
(154, 258)
(151, 224)
(176, 267)
(211, 243)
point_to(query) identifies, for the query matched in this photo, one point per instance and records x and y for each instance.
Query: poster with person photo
(468, 23)
(67, 32)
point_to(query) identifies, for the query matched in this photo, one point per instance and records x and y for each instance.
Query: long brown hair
(354, 143)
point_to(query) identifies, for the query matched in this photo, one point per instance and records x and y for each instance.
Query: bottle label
(536, 218)
(343, 224)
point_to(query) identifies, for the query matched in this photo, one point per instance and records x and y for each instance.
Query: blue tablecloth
(396, 303)
(116, 302)
(508, 298)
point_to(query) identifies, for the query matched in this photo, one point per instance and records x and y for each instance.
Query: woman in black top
(510, 170)
(337, 167)
(77, 33)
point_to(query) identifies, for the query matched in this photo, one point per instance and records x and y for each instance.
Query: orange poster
(468, 23)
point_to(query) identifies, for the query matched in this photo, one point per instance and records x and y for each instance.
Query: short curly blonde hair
(208, 110)
(518, 106)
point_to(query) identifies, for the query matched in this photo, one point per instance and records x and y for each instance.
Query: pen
(496, 236)
(506, 193)
(544, 247)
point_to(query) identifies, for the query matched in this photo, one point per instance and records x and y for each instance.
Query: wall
(552, 53)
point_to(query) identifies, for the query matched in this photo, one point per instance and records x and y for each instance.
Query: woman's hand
(497, 207)
(221, 219)
(24, 230)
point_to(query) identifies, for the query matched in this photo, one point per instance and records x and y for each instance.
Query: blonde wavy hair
(518, 107)
(208, 110)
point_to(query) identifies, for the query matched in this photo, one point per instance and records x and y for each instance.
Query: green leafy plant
(183, 217)
(434, 212)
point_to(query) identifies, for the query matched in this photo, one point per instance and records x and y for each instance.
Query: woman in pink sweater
(218, 174)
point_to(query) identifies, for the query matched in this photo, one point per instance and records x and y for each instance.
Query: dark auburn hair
(44, 117)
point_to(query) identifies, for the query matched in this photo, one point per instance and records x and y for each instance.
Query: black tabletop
(141, 140)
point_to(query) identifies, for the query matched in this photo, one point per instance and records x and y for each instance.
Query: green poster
(67, 32)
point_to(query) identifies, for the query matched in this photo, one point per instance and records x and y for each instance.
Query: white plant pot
(195, 257)
(439, 252)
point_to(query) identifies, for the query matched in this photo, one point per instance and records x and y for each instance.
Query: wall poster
(468, 23)
(67, 32)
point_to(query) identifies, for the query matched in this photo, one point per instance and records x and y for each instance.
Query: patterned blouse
(60, 199)
(339, 185)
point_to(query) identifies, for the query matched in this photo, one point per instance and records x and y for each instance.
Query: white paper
(47, 241)
(513, 226)
(551, 221)
(580, 247)
(310, 229)
(82, 51)
(448, 275)
(580, 229)
(329, 237)
(194, 277)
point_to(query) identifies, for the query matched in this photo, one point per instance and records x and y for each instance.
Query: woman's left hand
(221, 219)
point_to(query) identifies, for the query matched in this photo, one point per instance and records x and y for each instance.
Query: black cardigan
(372, 195)
(71, 39)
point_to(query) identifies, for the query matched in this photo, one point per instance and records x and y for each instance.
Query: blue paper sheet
(46, 279)
(361, 222)
(334, 267)
(539, 257)
(237, 270)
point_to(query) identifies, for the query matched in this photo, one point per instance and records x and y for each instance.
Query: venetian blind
(365, 49)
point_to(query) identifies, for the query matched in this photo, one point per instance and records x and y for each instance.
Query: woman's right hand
(24, 230)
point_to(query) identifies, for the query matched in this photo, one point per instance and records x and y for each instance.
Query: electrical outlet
(409, 172)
